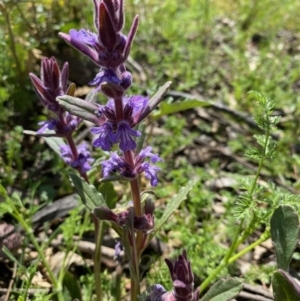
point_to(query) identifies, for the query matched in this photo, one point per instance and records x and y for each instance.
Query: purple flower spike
(106, 136)
(53, 83)
(124, 135)
(83, 161)
(183, 279)
(109, 47)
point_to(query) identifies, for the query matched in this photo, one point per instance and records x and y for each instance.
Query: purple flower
(113, 131)
(150, 172)
(47, 125)
(146, 152)
(111, 84)
(125, 135)
(117, 164)
(109, 47)
(66, 124)
(53, 83)
(105, 75)
(62, 126)
(183, 283)
(149, 169)
(133, 108)
(126, 80)
(83, 160)
(106, 136)
(118, 250)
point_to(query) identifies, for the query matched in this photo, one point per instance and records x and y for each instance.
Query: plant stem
(134, 289)
(99, 231)
(117, 283)
(263, 238)
(223, 264)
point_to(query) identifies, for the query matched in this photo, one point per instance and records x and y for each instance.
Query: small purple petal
(82, 163)
(112, 164)
(47, 125)
(126, 80)
(150, 172)
(84, 48)
(106, 75)
(106, 136)
(124, 135)
(117, 164)
(83, 36)
(118, 251)
(146, 152)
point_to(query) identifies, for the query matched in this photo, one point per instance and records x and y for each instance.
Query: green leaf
(223, 290)
(284, 234)
(114, 178)
(71, 284)
(12, 257)
(55, 143)
(175, 202)
(155, 100)
(79, 107)
(88, 192)
(261, 98)
(109, 194)
(3, 191)
(285, 288)
(157, 97)
(171, 108)
(44, 134)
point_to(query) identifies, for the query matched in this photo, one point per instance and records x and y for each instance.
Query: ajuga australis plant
(118, 130)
